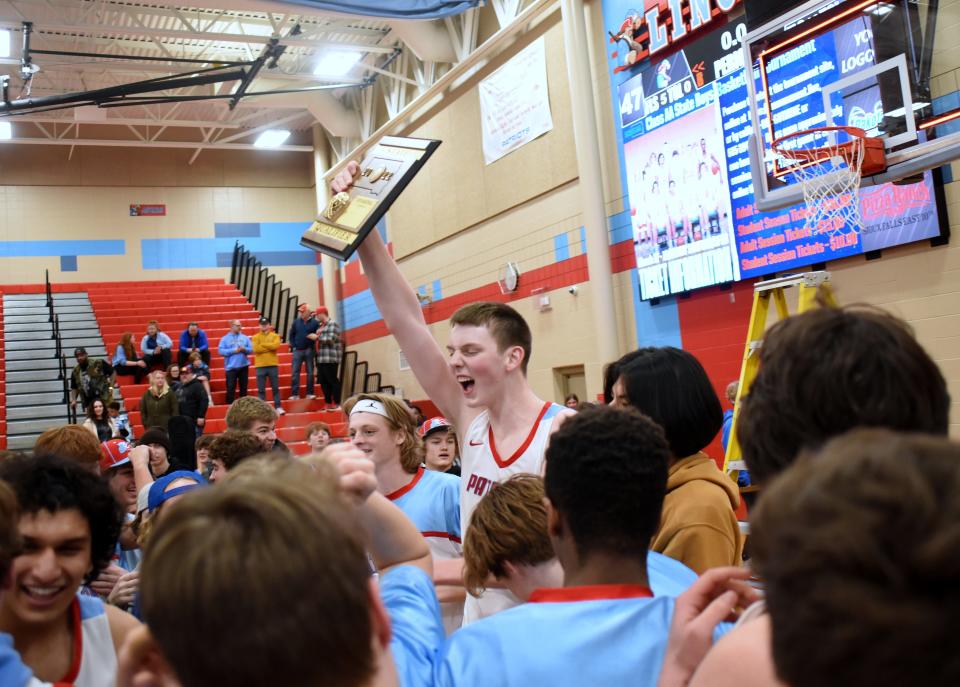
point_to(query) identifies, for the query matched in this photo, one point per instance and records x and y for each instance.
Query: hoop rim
(815, 154)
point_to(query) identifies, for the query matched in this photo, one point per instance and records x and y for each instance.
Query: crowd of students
(589, 547)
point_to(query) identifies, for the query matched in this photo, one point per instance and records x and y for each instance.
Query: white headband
(368, 405)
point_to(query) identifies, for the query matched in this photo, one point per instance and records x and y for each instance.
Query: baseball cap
(113, 454)
(322, 310)
(78, 350)
(432, 425)
(264, 320)
(186, 369)
(158, 490)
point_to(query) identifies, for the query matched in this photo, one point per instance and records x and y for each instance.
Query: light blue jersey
(668, 576)
(417, 633)
(432, 502)
(569, 637)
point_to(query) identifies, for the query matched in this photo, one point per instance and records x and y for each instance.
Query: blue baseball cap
(158, 490)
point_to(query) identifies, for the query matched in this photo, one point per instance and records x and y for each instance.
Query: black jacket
(193, 399)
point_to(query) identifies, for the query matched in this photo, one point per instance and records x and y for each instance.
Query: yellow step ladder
(809, 286)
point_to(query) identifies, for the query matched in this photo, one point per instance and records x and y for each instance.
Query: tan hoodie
(698, 526)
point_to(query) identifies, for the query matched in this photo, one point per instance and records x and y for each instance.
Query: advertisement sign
(141, 210)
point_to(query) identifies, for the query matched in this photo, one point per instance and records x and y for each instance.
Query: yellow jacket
(698, 526)
(265, 349)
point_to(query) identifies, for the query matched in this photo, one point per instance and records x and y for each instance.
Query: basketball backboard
(824, 63)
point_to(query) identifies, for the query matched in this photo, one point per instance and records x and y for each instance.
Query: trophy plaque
(350, 215)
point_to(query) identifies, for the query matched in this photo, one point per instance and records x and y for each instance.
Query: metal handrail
(272, 300)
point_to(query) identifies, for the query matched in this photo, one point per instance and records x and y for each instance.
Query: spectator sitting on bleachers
(192, 398)
(121, 419)
(99, 423)
(127, 362)
(193, 340)
(202, 371)
(173, 377)
(156, 346)
(158, 403)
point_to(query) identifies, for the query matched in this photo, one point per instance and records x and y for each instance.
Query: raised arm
(392, 538)
(401, 311)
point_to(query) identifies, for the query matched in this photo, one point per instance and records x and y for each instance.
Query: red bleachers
(3, 386)
(124, 306)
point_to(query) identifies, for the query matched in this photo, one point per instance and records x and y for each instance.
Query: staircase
(34, 386)
(128, 306)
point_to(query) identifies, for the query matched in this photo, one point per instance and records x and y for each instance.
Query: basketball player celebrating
(480, 386)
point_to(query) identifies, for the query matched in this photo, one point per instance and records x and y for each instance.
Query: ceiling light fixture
(6, 131)
(336, 62)
(272, 138)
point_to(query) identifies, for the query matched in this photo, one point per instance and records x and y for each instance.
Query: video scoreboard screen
(685, 120)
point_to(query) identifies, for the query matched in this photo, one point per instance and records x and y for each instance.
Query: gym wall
(459, 224)
(71, 214)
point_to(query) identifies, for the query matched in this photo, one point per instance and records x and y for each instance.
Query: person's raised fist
(357, 479)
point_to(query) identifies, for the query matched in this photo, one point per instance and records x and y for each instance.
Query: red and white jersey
(482, 468)
(94, 657)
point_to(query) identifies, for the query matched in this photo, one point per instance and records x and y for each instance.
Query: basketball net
(831, 183)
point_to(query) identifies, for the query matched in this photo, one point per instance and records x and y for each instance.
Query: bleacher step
(34, 426)
(34, 375)
(92, 351)
(32, 387)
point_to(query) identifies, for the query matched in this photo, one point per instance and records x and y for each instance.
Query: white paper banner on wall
(515, 103)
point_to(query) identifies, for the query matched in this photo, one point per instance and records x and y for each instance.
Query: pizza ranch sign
(663, 23)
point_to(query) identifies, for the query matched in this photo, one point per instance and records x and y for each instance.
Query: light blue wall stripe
(657, 325)
(359, 309)
(561, 248)
(437, 292)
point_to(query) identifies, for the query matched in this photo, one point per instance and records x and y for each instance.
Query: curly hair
(233, 447)
(606, 474)
(400, 420)
(509, 525)
(829, 370)
(858, 549)
(54, 484)
(9, 534)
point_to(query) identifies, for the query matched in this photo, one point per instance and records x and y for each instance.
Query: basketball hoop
(830, 175)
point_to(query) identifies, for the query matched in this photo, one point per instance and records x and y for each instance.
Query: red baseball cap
(322, 310)
(433, 424)
(113, 454)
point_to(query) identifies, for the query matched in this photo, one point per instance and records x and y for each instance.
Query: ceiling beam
(126, 121)
(47, 29)
(109, 143)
